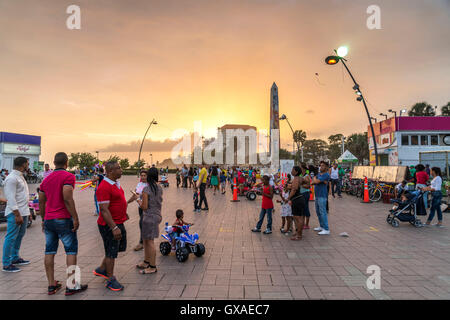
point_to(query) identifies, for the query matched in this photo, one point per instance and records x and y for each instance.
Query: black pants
(185, 181)
(335, 187)
(140, 225)
(202, 195)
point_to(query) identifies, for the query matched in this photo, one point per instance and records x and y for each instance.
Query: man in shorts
(60, 222)
(113, 214)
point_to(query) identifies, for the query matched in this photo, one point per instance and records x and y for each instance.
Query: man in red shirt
(113, 213)
(59, 222)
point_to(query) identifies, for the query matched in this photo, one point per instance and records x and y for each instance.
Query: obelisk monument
(274, 124)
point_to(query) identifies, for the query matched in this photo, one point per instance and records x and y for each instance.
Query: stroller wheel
(389, 219)
(395, 222)
(417, 223)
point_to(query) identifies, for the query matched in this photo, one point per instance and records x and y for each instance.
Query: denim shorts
(112, 246)
(56, 230)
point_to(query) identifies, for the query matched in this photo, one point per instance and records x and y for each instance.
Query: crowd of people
(428, 180)
(60, 220)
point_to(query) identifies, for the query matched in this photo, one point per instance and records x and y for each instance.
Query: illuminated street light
(402, 111)
(342, 51)
(332, 60)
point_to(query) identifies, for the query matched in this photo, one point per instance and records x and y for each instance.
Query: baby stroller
(407, 211)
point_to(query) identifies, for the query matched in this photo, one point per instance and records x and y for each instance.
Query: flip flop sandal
(53, 289)
(143, 265)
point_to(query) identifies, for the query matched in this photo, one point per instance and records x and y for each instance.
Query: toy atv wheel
(200, 249)
(251, 196)
(165, 248)
(182, 254)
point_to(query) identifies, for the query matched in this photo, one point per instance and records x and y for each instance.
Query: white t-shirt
(334, 173)
(436, 183)
(140, 187)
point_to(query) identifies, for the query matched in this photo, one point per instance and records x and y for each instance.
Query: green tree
(314, 150)
(421, 109)
(335, 146)
(138, 164)
(114, 158)
(284, 154)
(358, 145)
(445, 110)
(124, 163)
(299, 137)
(74, 160)
(86, 159)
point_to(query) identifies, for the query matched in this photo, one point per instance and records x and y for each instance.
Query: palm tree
(445, 110)
(299, 137)
(421, 109)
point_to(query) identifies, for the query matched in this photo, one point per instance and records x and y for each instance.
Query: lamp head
(332, 60)
(283, 117)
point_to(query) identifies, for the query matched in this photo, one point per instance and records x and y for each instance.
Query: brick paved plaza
(239, 264)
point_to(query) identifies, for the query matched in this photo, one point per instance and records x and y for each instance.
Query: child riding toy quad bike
(184, 243)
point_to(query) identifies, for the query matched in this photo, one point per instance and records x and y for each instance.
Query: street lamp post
(151, 158)
(97, 155)
(143, 139)
(283, 117)
(332, 60)
(384, 115)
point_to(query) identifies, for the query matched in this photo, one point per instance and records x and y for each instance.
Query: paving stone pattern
(239, 264)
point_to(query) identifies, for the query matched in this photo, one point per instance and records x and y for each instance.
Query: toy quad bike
(185, 243)
(249, 192)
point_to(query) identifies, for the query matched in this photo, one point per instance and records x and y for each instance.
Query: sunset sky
(214, 61)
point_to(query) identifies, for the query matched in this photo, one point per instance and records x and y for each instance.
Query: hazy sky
(212, 61)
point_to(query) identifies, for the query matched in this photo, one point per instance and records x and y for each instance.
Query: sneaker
(11, 268)
(324, 232)
(205, 209)
(139, 247)
(267, 231)
(70, 292)
(100, 273)
(318, 229)
(256, 230)
(113, 284)
(20, 262)
(53, 289)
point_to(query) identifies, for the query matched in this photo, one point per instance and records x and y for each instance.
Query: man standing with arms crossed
(321, 193)
(203, 176)
(17, 214)
(60, 222)
(113, 214)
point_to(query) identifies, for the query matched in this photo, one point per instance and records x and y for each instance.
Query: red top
(267, 203)
(422, 177)
(115, 196)
(241, 179)
(52, 186)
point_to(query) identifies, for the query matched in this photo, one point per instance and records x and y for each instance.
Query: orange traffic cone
(311, 194)
(235, 199)
(366, 192)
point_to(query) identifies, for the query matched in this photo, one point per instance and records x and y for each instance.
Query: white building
(13, 145)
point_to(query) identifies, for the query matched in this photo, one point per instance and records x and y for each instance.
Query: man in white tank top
(335, 185)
